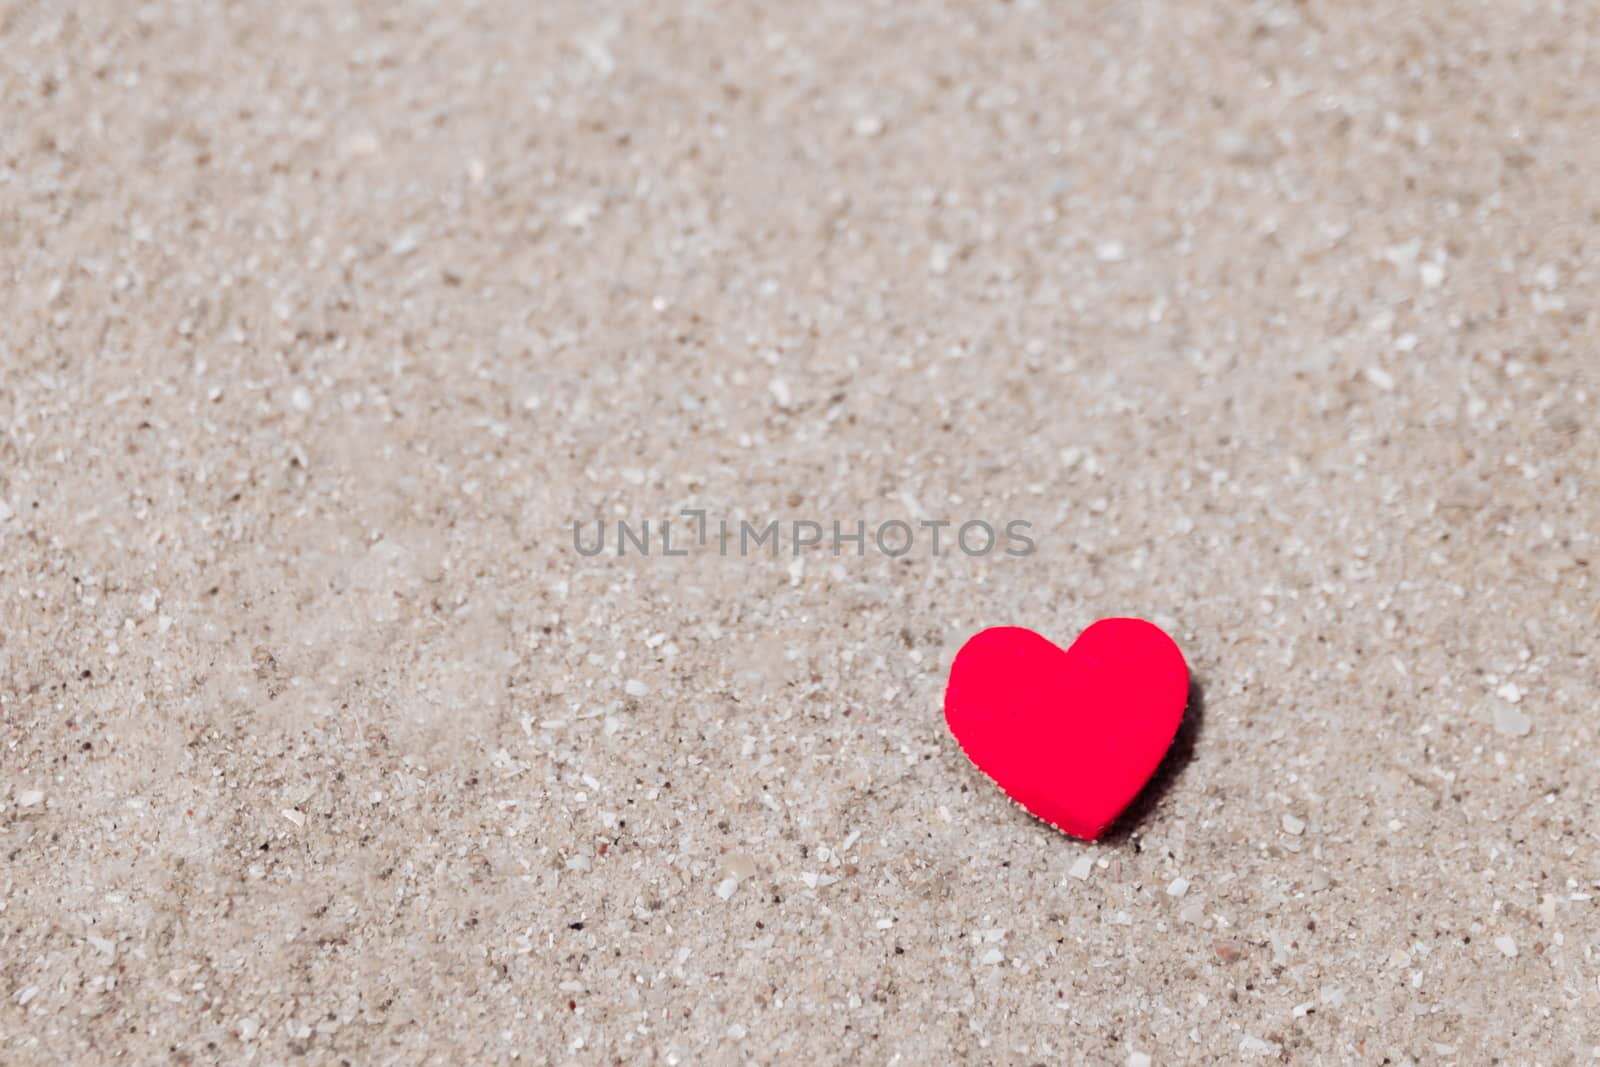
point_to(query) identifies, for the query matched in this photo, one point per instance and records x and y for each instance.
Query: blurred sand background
(321, 324)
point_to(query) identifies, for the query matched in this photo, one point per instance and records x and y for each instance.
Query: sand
(321, 326)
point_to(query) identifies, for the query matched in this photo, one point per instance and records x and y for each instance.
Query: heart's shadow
(1181, 751)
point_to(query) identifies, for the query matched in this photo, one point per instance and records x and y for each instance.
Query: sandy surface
(319, 327)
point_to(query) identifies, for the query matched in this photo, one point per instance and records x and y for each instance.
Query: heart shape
(1070, 735)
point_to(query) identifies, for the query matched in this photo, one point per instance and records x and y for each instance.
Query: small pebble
(1082, 867)
(868, 126)
(1511, 721)
(1507, 946)
(1254, 1046)
(780, 392)
(1292, 825)
(738, 866)
(30, 798)
(1178, 887)
(635, 688)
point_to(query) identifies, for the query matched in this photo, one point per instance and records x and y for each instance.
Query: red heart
(1071, 736)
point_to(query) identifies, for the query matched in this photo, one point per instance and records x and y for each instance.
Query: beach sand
(321, 326)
